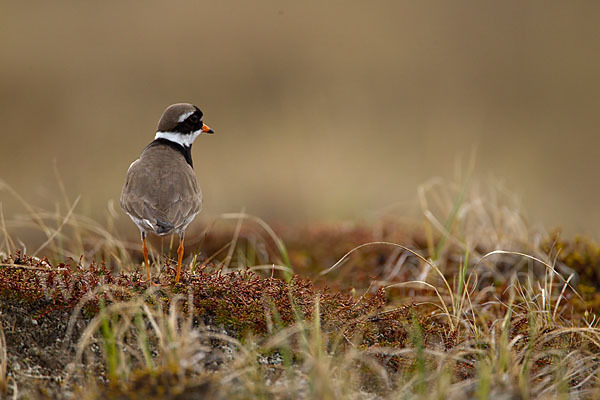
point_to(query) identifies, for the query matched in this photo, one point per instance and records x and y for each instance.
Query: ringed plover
(161, 194)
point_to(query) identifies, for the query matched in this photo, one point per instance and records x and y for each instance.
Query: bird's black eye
(194, 118)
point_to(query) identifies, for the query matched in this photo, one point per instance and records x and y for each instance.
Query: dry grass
(475, 307)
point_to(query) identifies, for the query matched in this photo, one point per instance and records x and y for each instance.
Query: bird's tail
(163, 227)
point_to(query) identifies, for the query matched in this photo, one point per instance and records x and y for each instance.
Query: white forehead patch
(183, 116)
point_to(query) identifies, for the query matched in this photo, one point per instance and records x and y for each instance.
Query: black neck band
(186, 151)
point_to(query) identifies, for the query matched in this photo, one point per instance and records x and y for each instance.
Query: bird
(161, 194)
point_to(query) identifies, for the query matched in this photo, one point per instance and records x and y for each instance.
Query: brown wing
(181, 197)
(161, 188)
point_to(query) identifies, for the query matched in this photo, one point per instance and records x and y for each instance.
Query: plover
(161, 194)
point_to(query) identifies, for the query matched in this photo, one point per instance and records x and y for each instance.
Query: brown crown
(170, 117)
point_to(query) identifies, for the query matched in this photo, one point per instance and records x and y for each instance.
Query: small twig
(16, 266)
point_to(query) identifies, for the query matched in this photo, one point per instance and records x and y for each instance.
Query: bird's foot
(152, 282)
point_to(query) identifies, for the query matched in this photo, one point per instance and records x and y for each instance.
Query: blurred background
(322, 110)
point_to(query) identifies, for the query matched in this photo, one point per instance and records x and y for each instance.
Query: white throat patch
(184, 140)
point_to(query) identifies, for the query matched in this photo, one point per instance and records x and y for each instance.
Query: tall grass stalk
(278, 242)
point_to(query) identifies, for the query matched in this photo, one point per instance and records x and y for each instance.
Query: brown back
(161, 185)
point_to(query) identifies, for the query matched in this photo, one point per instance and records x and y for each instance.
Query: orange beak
(206, 129)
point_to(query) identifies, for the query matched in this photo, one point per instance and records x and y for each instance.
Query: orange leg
(179, 258)
(145, 250)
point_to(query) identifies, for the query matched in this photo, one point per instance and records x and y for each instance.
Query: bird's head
(181, 123)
